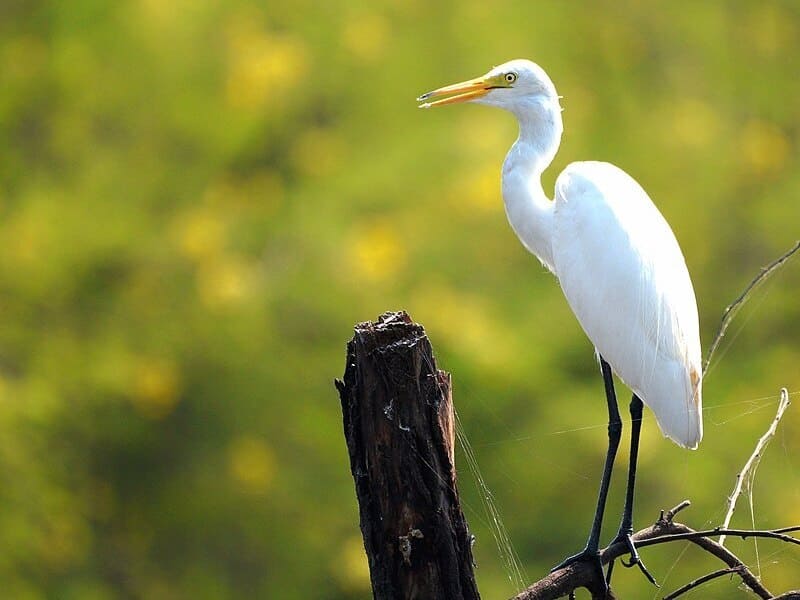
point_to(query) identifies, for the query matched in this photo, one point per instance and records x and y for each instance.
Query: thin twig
(749, 469)
(700, 581)
(787, 529)
(670, 514)
(733, 308)
(742, 533)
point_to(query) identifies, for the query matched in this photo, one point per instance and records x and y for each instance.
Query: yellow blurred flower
(251, 464)
(350, 566)
(200, 234)
(26, 236)
(376, 251)
(764, 148)
(224, 281)
(156, 388)
(365, 36)
(478, 191)
(692, 122)
(262, 67)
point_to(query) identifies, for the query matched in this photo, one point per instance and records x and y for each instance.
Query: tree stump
(398, 423)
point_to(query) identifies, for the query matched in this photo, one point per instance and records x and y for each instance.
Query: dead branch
(562, 582)
(565, 581)
(749, 469)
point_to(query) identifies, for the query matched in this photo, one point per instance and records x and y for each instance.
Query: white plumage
(615, 256)
(625, 279)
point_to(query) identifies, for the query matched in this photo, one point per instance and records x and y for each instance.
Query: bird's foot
(592, 558)
(625, 537)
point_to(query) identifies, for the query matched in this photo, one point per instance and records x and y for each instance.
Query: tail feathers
(681, 421)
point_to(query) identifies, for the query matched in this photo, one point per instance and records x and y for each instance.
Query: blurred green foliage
(198, 199)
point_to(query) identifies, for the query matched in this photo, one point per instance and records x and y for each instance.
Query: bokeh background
(198, 199)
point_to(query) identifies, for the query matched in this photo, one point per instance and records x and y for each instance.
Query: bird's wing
(626, 280)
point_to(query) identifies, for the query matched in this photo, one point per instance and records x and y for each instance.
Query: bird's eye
(511, 77)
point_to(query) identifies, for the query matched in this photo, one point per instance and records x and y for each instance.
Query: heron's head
(516, 86)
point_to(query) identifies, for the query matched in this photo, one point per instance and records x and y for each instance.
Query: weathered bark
(398, 422)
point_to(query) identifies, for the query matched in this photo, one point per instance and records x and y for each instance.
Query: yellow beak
(458, 92)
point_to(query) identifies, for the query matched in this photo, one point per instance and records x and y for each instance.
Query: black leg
(626, 526)
(591, 551)
(614, 435)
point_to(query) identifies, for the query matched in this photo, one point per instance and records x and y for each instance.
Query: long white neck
(529, 210)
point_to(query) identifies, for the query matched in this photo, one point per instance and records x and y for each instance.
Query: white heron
(618, 264)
